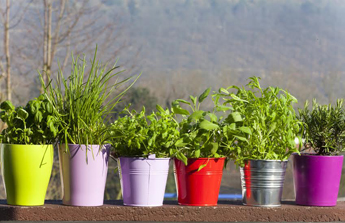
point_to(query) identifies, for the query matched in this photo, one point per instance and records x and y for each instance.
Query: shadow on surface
(7, 212)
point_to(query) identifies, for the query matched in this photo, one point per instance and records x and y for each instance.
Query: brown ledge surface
(226, 211)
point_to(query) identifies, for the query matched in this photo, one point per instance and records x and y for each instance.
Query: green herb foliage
(324, 128)
(33, 124)
(232, 127)
(139, 135)
(200, 133)
(267, 117)
(83, 101)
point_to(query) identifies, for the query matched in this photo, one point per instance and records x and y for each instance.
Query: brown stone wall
(226, 211)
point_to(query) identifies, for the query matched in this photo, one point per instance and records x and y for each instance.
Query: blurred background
(181, 47)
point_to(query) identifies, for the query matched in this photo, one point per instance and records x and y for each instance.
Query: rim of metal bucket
(268, 160)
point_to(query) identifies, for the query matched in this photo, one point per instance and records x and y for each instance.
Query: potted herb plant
(84, 102)
(270, 118)
(199, 157)
(142, 144)
(317, 173)
(27, 150)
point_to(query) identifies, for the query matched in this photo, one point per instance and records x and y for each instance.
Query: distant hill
(187, 45)
(251, 34)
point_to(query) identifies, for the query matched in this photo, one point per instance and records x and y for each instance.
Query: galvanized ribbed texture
(262, 182)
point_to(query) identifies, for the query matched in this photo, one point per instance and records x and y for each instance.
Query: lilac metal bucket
(83, 174)
(317, 179)
(143, 180)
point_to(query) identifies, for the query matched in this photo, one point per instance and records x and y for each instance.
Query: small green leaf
(214, 148)
(223, 108)
(204, 95)
(180, 143)
(38, 117)
(160, 109)
(241, 138)
(2, 116)
(272, 127)
(202, 166)
(293, 98)
(180, 111)
(32, 108)
(150, 141)
(207, 125)
(193, 99)
(224, 90)
(164, 135)
(273, 115)
(52, 128)
(236, 117)
(245, 130)
(6, 105)
(232, 126)
(197, 153)
(175, 103)
(22, 114)
(183, 101)
(183, 158)
(196, 115)
(49, 108)
(213, 117)
(237, 98)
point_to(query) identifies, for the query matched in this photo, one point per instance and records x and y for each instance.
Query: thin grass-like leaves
(83, 101)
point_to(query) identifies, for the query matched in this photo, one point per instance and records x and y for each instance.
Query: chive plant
(84, 101)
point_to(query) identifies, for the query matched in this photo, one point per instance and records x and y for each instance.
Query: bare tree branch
(7, 51)
(57, 29)
(2, 74)
(45, 40)
(49, 42)
(21, 16)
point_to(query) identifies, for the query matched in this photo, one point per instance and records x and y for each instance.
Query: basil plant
(33, 124)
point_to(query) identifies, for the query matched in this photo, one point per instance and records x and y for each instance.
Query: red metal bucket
(198, 188)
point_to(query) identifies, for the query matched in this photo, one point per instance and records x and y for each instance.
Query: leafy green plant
(33, 124)
(84, 101)
(200, 132)
(232, 128)
(136, 134)
(324, 128)
(267, 118)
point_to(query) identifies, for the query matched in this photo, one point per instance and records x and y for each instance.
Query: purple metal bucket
(83, 175)
(317, 179)
(143, 180)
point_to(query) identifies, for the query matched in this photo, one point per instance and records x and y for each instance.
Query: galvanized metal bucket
(262, 182)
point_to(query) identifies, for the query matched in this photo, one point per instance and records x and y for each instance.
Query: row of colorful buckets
(26, 170)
